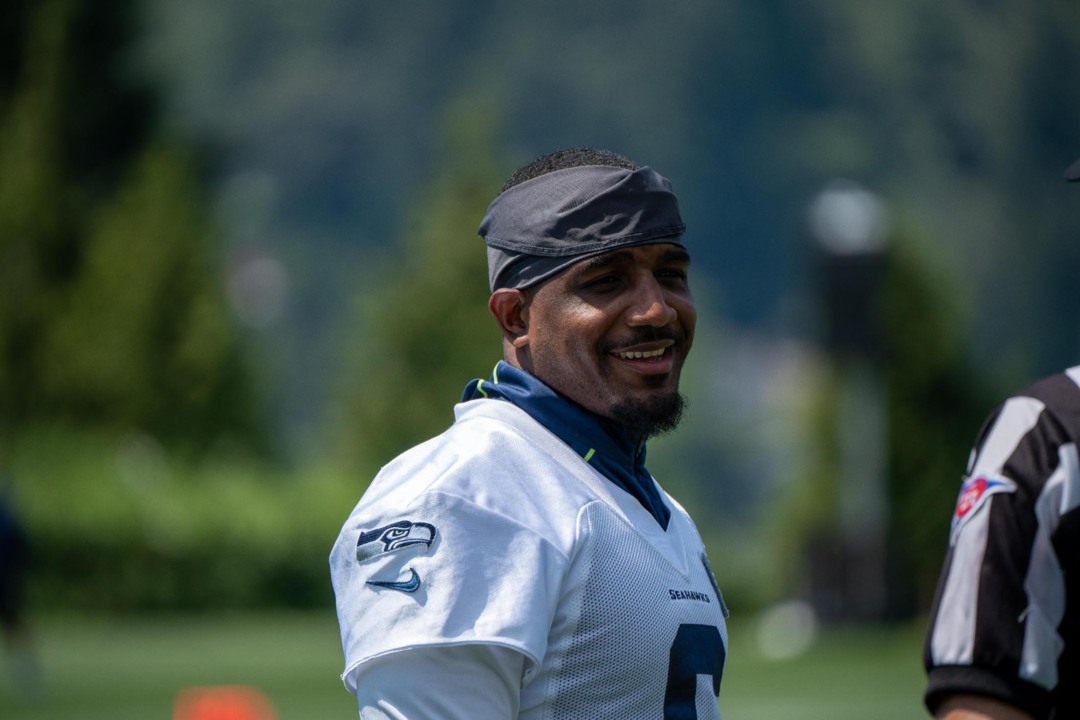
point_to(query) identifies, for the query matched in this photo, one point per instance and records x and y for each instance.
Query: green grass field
(112, 669)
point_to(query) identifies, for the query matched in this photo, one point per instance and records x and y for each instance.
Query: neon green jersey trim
(588, 455)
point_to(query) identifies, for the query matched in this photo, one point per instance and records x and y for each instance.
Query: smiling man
(525, 563)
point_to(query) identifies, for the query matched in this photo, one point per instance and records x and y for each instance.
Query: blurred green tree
(423, 329)
(936, 399)
(111, 314)
(933, 401)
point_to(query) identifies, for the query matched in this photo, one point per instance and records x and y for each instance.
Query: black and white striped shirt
(1006, 619)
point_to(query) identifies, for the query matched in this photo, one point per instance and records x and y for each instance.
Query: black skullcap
(542, 226)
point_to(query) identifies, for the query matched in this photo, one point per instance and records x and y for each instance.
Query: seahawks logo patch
(395, 536)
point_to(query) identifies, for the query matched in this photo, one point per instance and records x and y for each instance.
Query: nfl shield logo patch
(974, 493)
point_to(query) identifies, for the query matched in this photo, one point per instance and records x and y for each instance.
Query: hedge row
(117, 525)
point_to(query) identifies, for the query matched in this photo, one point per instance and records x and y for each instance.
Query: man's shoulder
(1064, 385)
(494, 453)
(499, 431)
(477, 423)
(1059, 394)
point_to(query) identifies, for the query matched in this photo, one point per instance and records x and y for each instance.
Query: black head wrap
(540, 227)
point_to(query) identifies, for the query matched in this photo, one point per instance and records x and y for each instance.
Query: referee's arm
(1000, 569)
(977, 707)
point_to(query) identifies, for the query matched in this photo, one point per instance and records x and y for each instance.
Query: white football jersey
(497, 533)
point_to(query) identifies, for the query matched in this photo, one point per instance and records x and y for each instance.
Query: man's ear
(511, 310)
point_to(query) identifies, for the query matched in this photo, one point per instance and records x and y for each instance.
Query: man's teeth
(639, 355)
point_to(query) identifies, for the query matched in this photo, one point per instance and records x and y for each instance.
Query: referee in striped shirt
(1004, 635)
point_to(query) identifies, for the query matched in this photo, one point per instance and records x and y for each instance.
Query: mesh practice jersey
(1006, 620)
(497, 533)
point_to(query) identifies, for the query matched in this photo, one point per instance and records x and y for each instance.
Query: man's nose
(651, 307)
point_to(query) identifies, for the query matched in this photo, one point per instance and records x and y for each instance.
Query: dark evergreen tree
(111, 313)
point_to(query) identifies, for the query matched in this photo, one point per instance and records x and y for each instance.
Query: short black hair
(568, 158)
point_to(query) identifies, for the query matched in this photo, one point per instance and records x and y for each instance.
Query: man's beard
(648, 418)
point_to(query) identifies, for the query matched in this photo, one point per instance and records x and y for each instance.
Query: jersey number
(697, 650)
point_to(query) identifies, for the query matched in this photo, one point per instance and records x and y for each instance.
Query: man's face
(612, 333)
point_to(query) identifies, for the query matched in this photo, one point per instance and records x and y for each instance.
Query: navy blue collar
(601, 442)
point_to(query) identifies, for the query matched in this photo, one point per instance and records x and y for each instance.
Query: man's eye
(603, 280)
(672, 275)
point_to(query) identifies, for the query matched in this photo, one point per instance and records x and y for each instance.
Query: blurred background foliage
(239, 269)
(111, 315)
